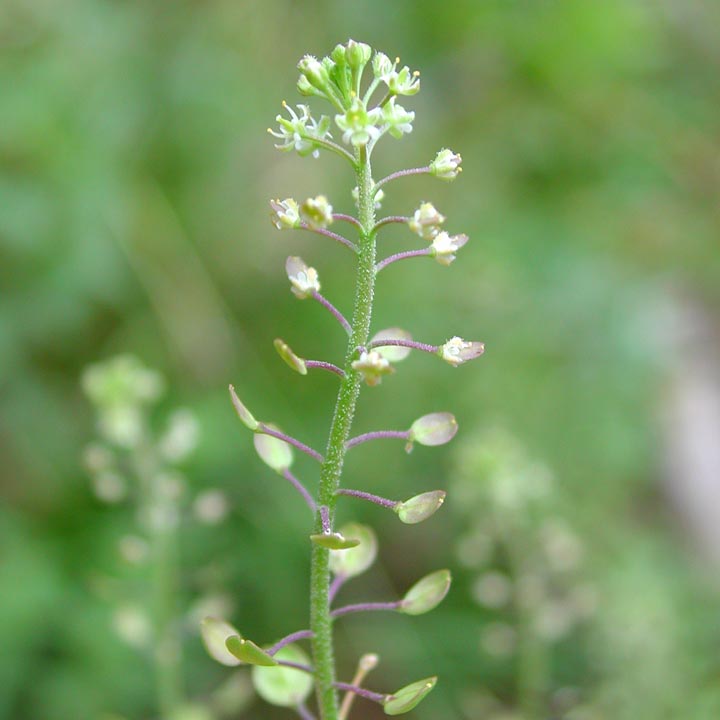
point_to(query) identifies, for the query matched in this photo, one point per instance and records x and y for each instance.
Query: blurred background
(583, 518)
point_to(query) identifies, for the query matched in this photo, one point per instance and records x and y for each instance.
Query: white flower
(399, 83)
(359, 125)
(317, 212)
(398, 119)
(285, 214)
(372, 365)
(426, 221)
(456, 351)
(299, 132)
(446, 165)
(304, 280)
(445, 246)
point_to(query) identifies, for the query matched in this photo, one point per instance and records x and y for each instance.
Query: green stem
(331, 469)
(159, 513)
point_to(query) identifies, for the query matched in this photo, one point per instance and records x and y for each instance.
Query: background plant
(131, 174)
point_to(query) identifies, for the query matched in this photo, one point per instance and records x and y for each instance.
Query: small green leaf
(408, 697)
(214, 633)
(420, 507)
(274, 452)
(426, 594)
(248, 652)
(282, 685)
(356, 560)
(243, 413)
(285, 352)
(432, 429)
(334, 541)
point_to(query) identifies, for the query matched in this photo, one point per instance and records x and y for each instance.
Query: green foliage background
(134, 178)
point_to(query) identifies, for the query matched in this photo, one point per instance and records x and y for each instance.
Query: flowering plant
(283, 674)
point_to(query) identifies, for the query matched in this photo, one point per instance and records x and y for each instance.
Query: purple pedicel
(402, 256)
(378, 435)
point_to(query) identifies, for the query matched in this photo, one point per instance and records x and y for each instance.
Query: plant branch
(365, 607)
(405, 343)
(378, 435)
(347, 218)
(330, 234)
(335, 312)
(403, 173)
(384, 502)
(263, 428)
(391, 219)
(362, 692)
(402, 256)
(321, 365)
(300, 488)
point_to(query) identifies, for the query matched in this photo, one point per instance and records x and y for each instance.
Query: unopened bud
(446, 165)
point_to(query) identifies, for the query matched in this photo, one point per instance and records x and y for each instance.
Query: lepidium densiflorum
(365, 91)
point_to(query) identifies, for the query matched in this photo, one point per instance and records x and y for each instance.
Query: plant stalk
(331, 468)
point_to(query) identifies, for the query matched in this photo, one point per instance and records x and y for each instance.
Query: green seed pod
(214, 633)
(408, 697)
(334, 541)
(426, 594)
(282, 685)
(248, 652)
(274, 452)
(420, 507)
(432, 429)
(356, 560)
(285, 352)
(243, 413)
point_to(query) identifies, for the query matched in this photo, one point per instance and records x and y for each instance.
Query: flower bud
(285, 214)
(284, 351)
(420, 507)
(214, 633)
(247, 651)
(432, 429)
(446, 165)
(368, 662)
(281, 685)
(317, 212)
(392, 353)
(426, 594)
(315, 72)
(456, 351)
(304, 280)
(305, 88)
(356, 560)
(243, 413)
(426, 221)
(382, 66)
(275, 453)
(372, 366)
(445, 246)
(407, 698)
(357, 54)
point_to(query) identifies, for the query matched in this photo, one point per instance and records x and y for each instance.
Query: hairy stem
(331, 468)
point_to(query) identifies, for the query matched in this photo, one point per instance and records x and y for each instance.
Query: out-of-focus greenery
(134, 178)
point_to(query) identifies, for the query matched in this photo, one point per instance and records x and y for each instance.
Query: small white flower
(299, 132)
(317, 212)
(426, 221)
(372, 365)
(446, 165)
(285, 214)
(456, 351)
(358, 125)
(401, 82)
(445, 246)
(398, 119)
(304, 280)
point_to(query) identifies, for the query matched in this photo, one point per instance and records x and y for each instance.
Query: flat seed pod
(275, 453)
(408, 697)
(420, 507)
(356, 560)
(214, 633)
(334, 541)
(248, 652)
(282, 685)
(426, 594)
